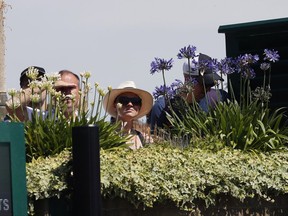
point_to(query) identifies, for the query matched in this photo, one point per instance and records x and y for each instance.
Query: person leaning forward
(201, 93)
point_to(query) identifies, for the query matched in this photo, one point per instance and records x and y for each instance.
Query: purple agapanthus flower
(227, 65)
(271, 55)
(214, 64)
(248, 73)
(170, 91)
(159, 91)
(187, 52)
(243, 65)
(162, 90)
(159, 65)
(207, 65)
(176, 84)
(247, 59)
(265, 66)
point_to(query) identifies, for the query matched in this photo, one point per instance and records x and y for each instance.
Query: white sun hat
(128, 86)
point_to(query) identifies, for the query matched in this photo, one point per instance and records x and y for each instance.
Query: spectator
(201, 93)
(69, 85)
(203, 85)
(20, 105)
(128, 104)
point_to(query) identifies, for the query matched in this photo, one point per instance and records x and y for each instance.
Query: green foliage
(46, 176)
(45, 137)
(158, 173)
(251, 128)
(248, 128)
(249, 124)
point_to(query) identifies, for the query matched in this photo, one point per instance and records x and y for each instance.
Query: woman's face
(128, 106)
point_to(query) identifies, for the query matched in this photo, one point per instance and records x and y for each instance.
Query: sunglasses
(136, 101)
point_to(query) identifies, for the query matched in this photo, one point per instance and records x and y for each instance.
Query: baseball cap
(41, 72)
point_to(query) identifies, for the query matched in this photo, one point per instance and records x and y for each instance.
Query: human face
(70, 89)
(199, 92)
(128, 106)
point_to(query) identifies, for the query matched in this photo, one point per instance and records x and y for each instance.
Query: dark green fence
(254, 37)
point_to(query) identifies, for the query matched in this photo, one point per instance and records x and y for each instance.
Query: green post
(13, 191)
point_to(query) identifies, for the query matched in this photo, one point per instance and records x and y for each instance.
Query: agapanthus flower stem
(164, 83)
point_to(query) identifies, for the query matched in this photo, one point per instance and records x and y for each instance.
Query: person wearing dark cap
(24, 80)
(22, 104)
(202, 92)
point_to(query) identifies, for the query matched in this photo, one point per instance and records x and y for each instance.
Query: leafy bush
(46, 137)
(249, 128)
(158, 173)
(46, 176)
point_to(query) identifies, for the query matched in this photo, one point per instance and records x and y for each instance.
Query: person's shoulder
(31, 111)
(160, 101)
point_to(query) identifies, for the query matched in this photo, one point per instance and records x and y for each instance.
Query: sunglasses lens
(134, 100)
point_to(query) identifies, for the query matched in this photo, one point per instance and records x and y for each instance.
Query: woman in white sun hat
(127, 104)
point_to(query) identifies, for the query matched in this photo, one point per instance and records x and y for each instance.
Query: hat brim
(146, 97)
(210, 78)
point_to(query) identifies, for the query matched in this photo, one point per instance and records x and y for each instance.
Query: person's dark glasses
(136, 101)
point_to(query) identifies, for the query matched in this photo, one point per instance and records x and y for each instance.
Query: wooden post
(3, 95)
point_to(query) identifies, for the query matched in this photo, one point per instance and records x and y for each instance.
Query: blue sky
(116, 40)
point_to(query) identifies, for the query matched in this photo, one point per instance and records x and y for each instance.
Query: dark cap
(23, 76)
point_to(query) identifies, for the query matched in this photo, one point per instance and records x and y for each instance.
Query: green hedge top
(159, 173)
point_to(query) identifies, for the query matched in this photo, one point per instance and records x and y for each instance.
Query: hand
(61, 84)
(26, 96)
